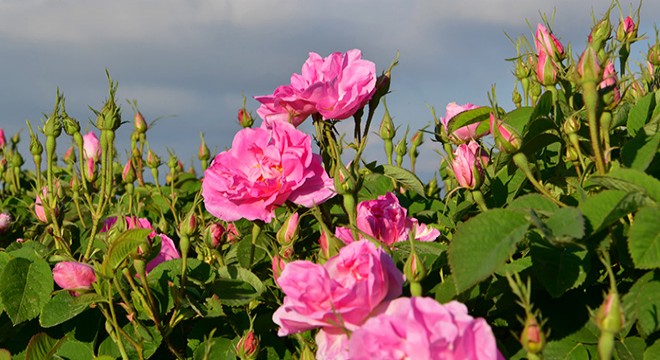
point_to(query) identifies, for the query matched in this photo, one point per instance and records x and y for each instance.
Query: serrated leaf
(4, 259)
(42, 346)
(640, 151)
(648, 183)
(482, 244)
(468, 117)
(643, 300)
(167, 275)
(214, 348)
(559, 269)
(151, 339)
(631, 348)
(63, 306)
(25, 288)
(519, 118)
(644, 238)
(566, 222)
(404, 177)
(565, 349)
(73, 349)
(122, 246)
(602, 209)
(640, 113)
(536, 202)
(543, 106)
(237, 286)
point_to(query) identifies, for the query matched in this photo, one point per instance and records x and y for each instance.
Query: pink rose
(545, 41)
(3, 140)
(546, 70)
(608, 84)
(340, 294)
(263, 169)
(91, 147)
(331, 344)
(468, 165)
(421, 328)
(465, 133)
(5, 222)
(72, 275)
(506, 137)
(39, 210)
(386, 220)
(336, 87)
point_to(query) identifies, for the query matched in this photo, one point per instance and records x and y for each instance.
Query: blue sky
(190, 61)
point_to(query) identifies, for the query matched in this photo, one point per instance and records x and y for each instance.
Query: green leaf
(375, 185)
(149, 337)
(543, 106)
(642, 181)
(122, 246)
(167, 275)
(519, 118)
(641, 304)
(42, 346)
(640, 113)
(237, 286)
(25, 288)
(640, 151)
(566, 223)
(4, 259)
(631, 348)
(653, 351)
(74, 349)
(559, 269)
(606, 207)
(214, 348)
(644, 238)
(534, 202)
(490, 239)
(404, 177)
(63, 306)
(565, 349)
(468, 117)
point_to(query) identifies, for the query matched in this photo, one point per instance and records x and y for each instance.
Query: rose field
(537, 237)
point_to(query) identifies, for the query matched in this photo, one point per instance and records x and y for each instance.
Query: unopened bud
(506, 137)
(532, 337)
(128, 173)
(204, 153)
(288, 233)
(215, 234)
(248, 346)
(153, 160)
(627, 30)
(140, 124)
(70, 156)
(387, 130)
(71, 126)
(589, 68)
(414, 268)
(188, 225)
(610, 317)
(600, 33)
(244, 118)
(277, 266)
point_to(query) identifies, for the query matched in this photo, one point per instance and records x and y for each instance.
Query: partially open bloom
(609, 86)
(465, 133)
(386, 220)
(336, 87)
(421, 328)
(545, 41)
(91, 147)
(72, 275)
(469, 165)
(339, 294)
(263, 169)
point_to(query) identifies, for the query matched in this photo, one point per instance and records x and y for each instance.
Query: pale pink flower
(336, 87)
(339, 294)
(331, 344)
(263, 169)
(386, 220)
(465, 133)
(91, 147)
(5, 222)
(469, 164)
(39, 210)
(72, 275)
(421, 328)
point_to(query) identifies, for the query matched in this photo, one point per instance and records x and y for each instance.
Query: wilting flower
(263, 169)
(339, 294)
(72, 275)
(421, 328)
(91, 147)
(386, 220)
(545, 41)
(336, 87)
(465, 133)
(468, 165)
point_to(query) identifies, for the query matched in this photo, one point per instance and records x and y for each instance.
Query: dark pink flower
(340, 294)
(386, 220)
(465, 133)
(263, 169)
(421, 328)
(72, 275)
(3, 140)
(469, 165)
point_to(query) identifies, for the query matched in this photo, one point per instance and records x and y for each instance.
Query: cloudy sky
(190, 61)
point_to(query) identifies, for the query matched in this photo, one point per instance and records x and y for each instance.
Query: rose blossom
(386, 220)
(3, 140)
(5, 222)
(545, 41)
(468, 165)
(339, 294)
(263, 169)
(336, 87)
(331, 344)
(465, 133)
(91, 147)
(168, 250)
(72, 275)
(421, 328)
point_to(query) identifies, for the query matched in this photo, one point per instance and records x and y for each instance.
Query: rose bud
(72, 276)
